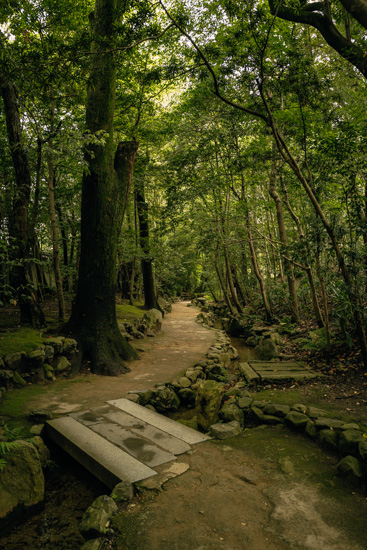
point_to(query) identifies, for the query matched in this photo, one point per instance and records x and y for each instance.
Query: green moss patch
(20, 339)
(15, 402)
(128, 312)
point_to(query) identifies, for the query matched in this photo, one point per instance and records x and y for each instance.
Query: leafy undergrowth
(342, 387)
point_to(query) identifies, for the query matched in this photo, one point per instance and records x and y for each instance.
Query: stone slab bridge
(121, 440)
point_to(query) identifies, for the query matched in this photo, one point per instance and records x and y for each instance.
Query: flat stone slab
(139, 427)
(139, 448)
(135, 425)
(161, 422)
(248, 372)
(103, 459)
(281, 370)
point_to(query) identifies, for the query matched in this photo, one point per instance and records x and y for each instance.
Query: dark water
(246, 353)
(70, 489)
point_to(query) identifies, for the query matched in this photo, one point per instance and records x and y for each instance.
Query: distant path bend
(179, 345)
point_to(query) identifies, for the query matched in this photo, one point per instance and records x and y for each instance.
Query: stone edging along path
(225, 413)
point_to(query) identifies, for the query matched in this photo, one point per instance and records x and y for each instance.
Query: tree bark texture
(93, 320)
(150, 295)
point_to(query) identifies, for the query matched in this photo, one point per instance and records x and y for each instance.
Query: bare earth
(268, 489)
(181, 342)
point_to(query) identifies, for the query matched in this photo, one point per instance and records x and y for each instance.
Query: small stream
(246, 353)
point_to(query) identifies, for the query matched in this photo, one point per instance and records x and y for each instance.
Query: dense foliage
(250, 180)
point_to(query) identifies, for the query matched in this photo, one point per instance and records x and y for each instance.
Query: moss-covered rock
(56, 342)
(62, 364)
(97, 516)
(328, 439)
(36, 358)
(165, 399)
(230, 412)
(350, 469)
(208, 403)
(22, 485)
(276, 410)
(296, 420)
(267, 349)
(349, 441)
(225, 431)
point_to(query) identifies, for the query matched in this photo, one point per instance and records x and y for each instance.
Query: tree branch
(309, 16)
(211, 70)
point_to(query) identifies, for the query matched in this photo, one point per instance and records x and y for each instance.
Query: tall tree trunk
(30, 310)
(230, 280)
(93, 319)
(150, 296)
(221, 282)
(259, 277)
(54, 232)
(283, 239)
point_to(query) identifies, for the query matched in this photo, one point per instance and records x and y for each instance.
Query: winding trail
(179, 345)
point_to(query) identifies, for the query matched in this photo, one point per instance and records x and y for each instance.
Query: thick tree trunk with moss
(30, 310)
(93, 321)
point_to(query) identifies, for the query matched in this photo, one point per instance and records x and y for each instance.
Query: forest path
(181, 342)
(267, 488)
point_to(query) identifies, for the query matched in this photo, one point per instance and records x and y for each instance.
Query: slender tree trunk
(64, 240)
(230, 280)
(93, 319)
(301, 235)
(54, 232)
(354, 298)
(268, 312)
(150, 296)
(283, 239)
(30, 310)
(221, 282)
(324, 301)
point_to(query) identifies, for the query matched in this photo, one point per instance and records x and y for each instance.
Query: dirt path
(266, 490)
(181, 342)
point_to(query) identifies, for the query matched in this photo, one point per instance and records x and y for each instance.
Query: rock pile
(52, 358)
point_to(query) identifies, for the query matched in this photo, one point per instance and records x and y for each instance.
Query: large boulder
(208, 402)
(153, 320)
(22, 484)
(267, 349)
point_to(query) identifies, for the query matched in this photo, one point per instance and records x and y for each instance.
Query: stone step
(248, 372)
(159, 421)
(103, 459)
